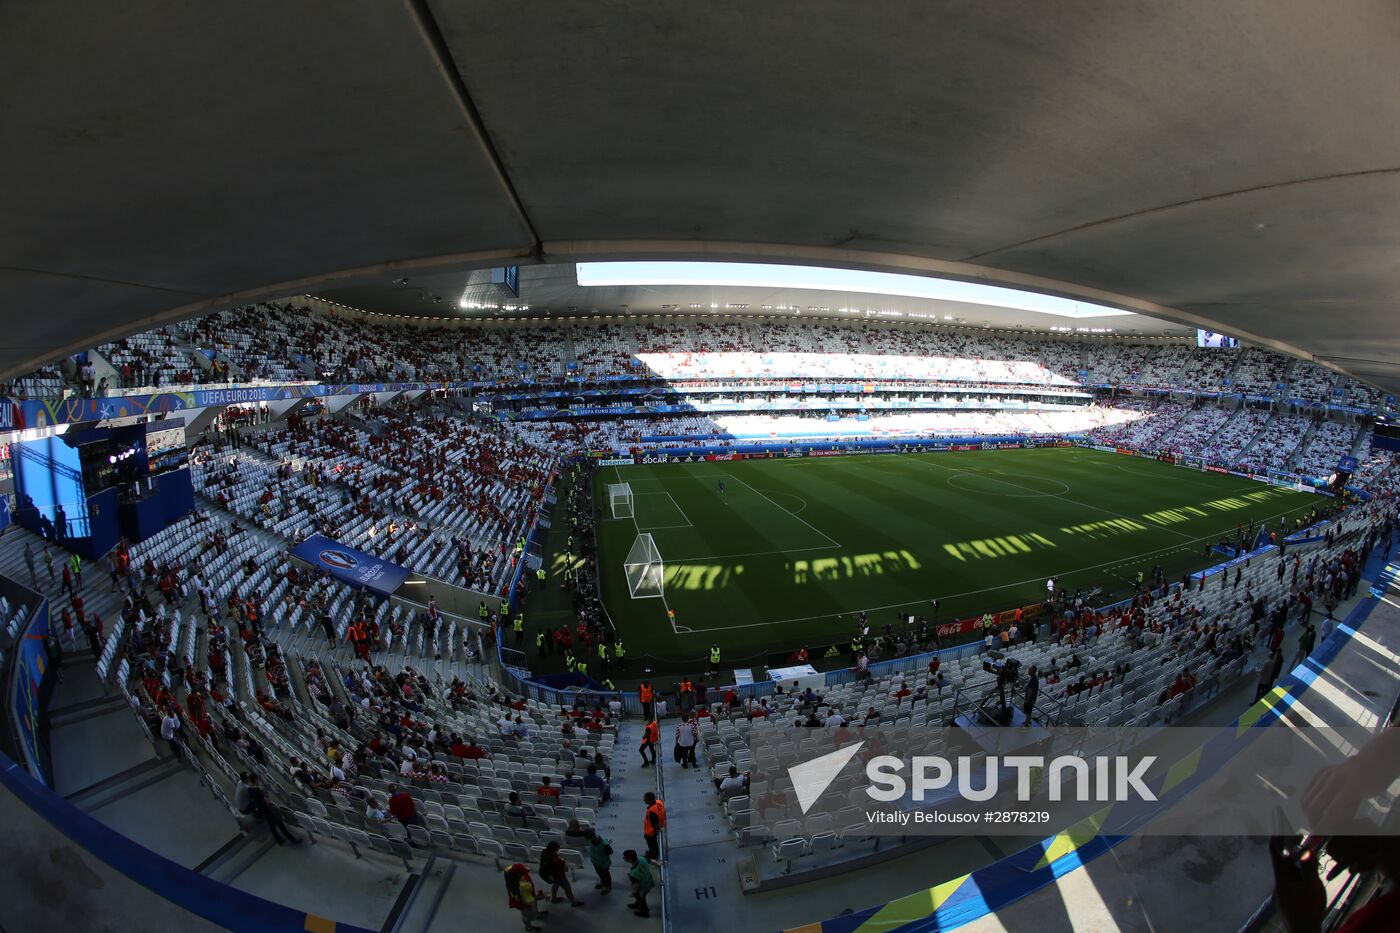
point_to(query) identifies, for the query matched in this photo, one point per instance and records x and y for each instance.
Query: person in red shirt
(520, 890)
(402, 807)
(547, 791)
(1184, 682)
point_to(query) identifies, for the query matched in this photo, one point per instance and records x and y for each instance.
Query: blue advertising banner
(38, 413)
(31, 660)
(354, 567)
(1346, 465)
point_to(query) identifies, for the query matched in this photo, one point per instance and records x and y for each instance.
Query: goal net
(620, 498)
(645, 573)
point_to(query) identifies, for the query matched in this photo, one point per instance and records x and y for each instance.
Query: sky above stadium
(835, 280)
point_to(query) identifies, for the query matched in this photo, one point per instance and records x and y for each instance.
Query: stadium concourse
(398, 753)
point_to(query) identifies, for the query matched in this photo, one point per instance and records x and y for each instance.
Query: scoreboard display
(1386, 435)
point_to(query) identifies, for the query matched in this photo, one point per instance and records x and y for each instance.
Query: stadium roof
(1233, 165)
(624, 289)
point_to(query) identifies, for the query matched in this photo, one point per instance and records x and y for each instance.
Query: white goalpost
(620, 499)
(645, 573)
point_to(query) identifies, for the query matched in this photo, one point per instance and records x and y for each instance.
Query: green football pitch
(792, 549)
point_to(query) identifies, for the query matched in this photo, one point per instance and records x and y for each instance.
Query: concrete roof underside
(1233, 165)
(553, 292)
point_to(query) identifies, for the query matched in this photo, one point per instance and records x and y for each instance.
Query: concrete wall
(52, 883)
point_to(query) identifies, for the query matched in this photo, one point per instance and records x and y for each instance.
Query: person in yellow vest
(619, 654)
(518, 626)
(581, 666)
(569, 663)
(541, 576)
(541, 644)
(714, 658)
(603, 657)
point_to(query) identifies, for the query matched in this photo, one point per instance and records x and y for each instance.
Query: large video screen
(1210, 338)
(49, 481)
(165, 445)
(1386, 435)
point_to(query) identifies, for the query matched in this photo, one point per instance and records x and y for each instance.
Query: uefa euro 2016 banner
(350, 565)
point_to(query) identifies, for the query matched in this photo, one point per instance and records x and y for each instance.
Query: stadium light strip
(760, 275)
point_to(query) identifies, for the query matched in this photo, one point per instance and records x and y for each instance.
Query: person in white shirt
(1329, 625)
(170, 729)
(732, 785)
(687, 734)
(834, 719)
(862, 668)
(375, 812)
(242, 797)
